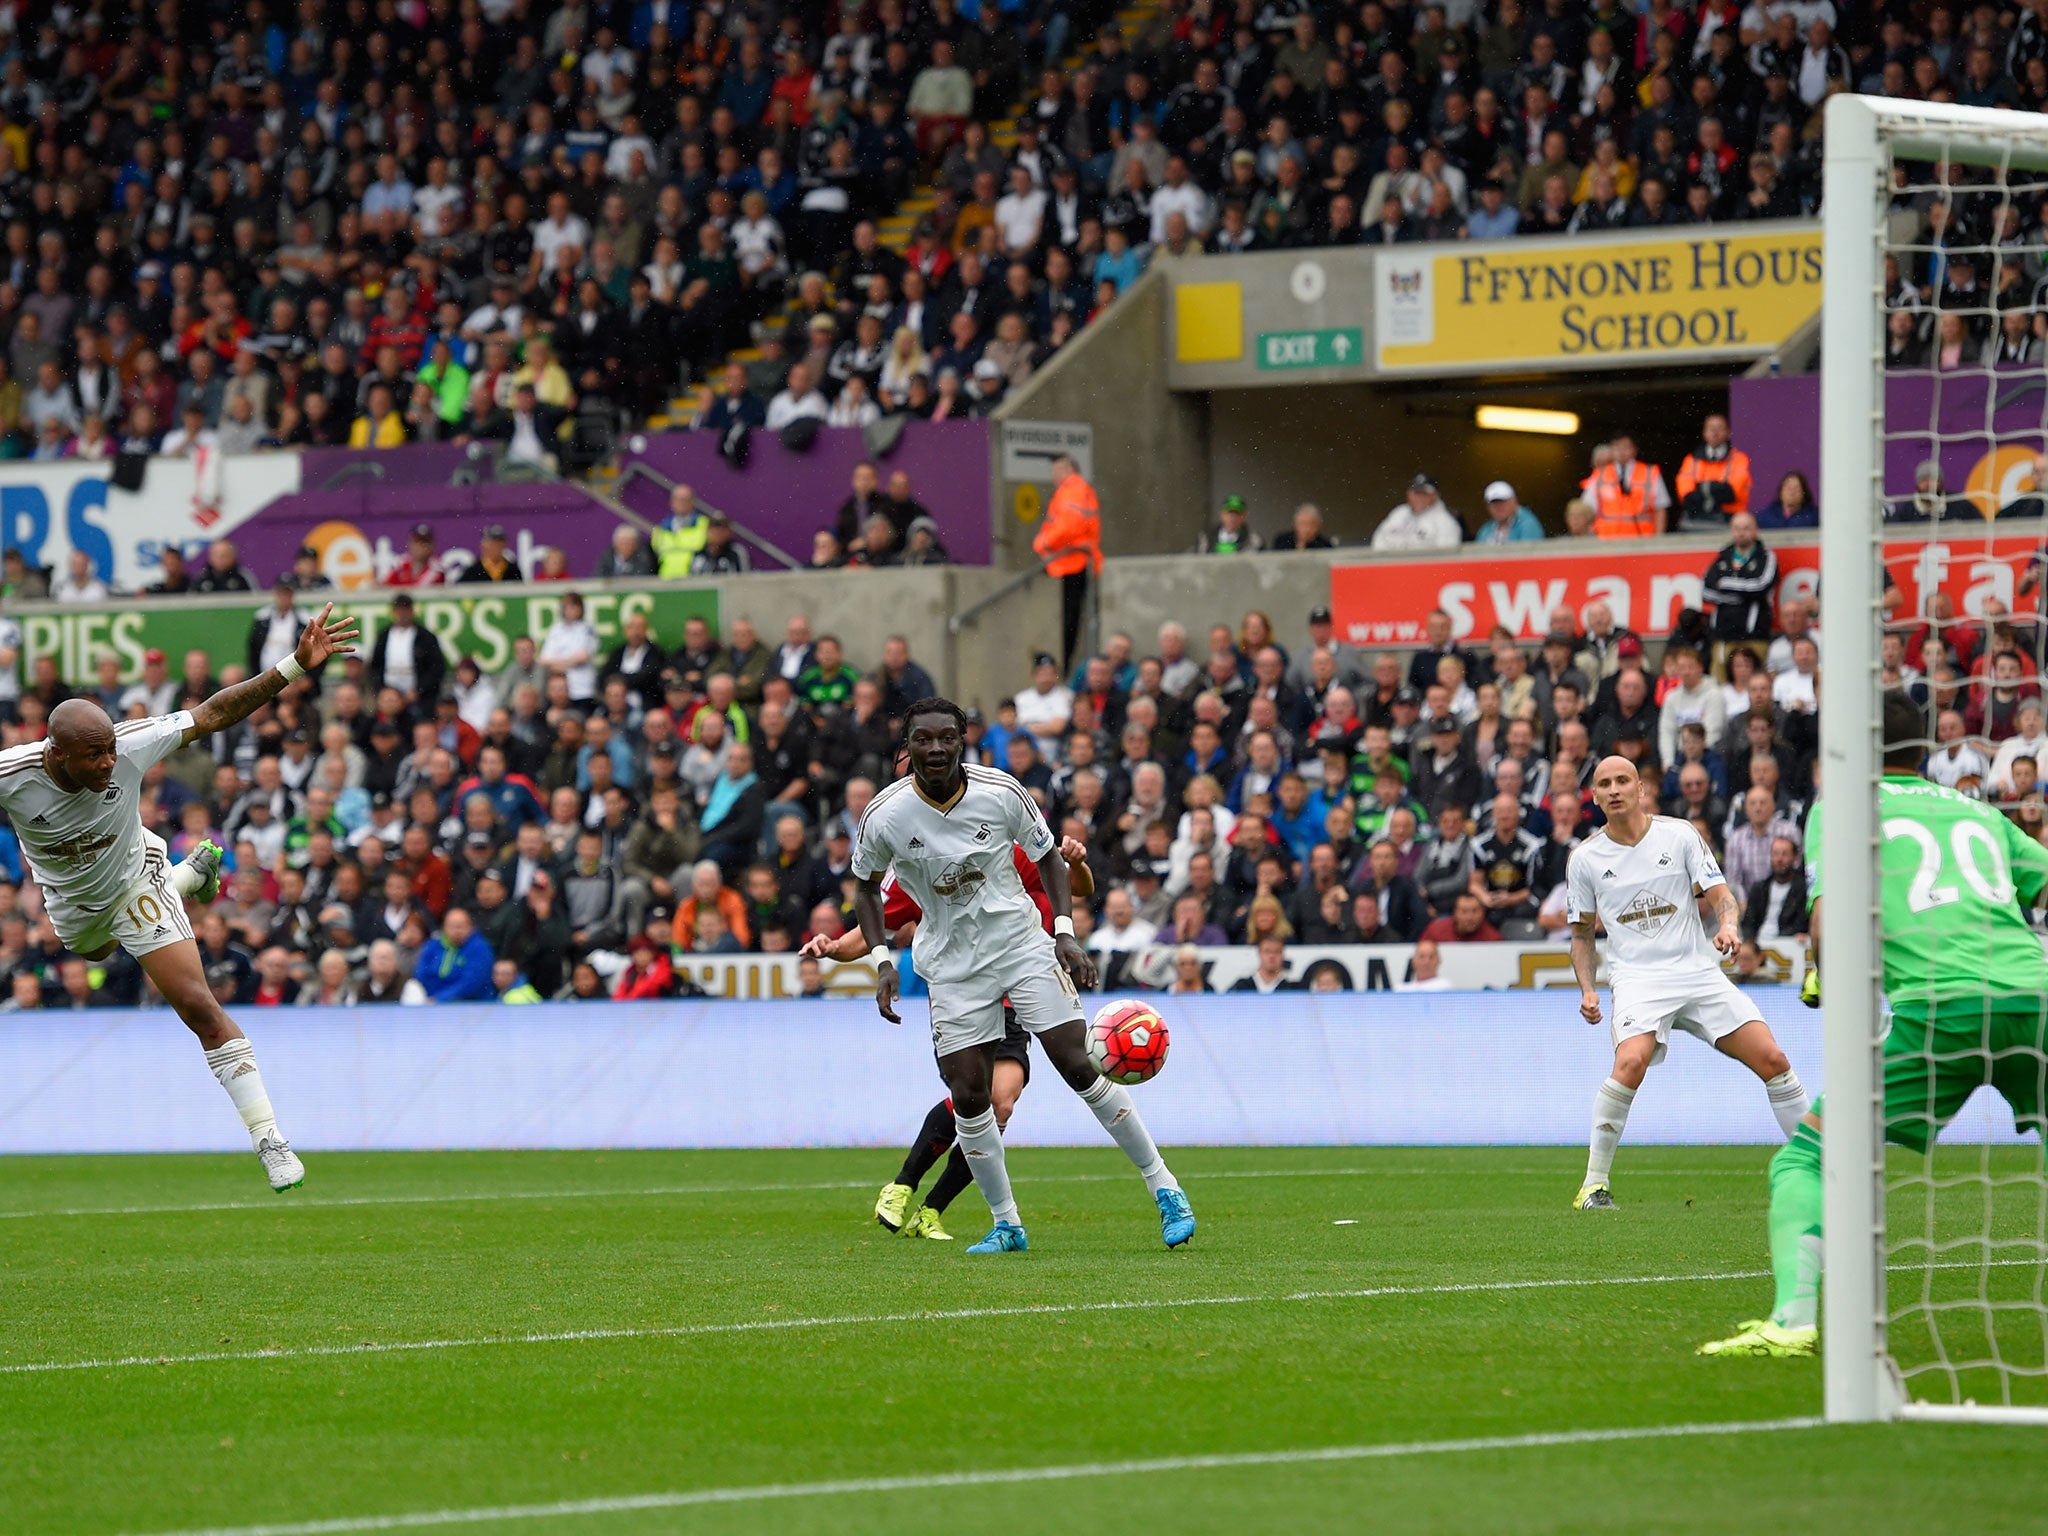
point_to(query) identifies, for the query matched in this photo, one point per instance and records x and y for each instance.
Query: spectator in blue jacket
(455, 964)
(512, 795)
(1507, 520)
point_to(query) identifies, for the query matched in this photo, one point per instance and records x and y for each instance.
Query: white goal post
(1988, 1364)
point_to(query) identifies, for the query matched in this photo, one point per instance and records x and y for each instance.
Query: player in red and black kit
(1012, 1064)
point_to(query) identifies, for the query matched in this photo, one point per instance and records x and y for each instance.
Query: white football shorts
(148, 916)
(1044, 1000)
(1705, 1004)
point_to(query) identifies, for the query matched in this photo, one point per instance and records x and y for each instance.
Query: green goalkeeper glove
(1809, 990)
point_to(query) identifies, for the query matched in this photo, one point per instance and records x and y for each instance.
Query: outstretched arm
(231, 706)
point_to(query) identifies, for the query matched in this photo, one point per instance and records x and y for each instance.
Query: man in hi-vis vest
(1073, 530)
(679, 540)
(1629, 497)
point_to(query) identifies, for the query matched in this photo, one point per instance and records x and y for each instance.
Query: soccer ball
(1127, 1042)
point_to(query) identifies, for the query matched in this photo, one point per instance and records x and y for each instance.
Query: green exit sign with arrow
(1311, 349)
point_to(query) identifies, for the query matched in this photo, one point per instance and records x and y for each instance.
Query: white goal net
(1934, 407)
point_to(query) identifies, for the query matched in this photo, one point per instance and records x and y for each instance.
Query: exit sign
(1310, 349)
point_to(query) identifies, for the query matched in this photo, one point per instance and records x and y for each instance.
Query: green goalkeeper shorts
(1930, 1070)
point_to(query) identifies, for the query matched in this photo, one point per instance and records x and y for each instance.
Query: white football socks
(1788, 1100)
(235, 1065)
(1119, 1116)
(982, 1142)
(1803, 1310)
(1610, 1114)
(186, 880)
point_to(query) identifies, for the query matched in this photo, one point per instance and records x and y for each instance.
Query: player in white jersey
(107, 883)
(1644, 874)
(947, 828)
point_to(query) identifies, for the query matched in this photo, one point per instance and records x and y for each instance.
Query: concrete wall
(1151, 445)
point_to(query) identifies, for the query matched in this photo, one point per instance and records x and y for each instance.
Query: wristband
(878, 956)
(1063, 927)
(290, 670)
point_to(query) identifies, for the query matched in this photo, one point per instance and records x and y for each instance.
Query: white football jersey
(85, 849)
(981, 930)
(1646, 896)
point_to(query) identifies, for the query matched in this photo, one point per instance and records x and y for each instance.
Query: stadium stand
(371, 227)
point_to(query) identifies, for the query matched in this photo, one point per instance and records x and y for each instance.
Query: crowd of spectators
(1225, 129)
(340, 223)
(589, 818)
(586, 820)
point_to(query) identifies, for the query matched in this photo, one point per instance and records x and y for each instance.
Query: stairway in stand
(895, 228)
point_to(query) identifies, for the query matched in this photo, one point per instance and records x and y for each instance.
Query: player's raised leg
(178, 974)
(1066, 1047)
(197, 876)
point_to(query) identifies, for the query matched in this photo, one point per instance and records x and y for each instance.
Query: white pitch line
(956, 1314)
(482, 1197)
(1009, 1476)
(785, 1324)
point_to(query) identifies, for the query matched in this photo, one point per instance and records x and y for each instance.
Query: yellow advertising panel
(1594, 301)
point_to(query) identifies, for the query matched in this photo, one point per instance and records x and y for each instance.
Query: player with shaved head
(1644, 875)
(107, 881)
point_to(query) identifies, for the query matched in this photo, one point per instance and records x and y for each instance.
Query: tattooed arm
(317, 644)
(1721, 902)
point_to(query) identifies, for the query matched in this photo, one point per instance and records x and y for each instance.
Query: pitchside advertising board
(1297, 1069)
(1387, 603)
(483, 626)
(1360, 968)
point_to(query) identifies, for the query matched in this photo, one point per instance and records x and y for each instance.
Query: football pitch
(629, 1342)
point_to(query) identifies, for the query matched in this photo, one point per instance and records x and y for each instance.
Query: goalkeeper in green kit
(1966, 979)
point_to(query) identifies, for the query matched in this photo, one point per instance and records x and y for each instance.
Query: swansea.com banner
(1385, 603)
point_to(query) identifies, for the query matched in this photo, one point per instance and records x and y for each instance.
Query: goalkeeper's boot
(281, 1164)
(1003, 1237)
(924, 1222)
(1176, 1217)
(893, 1205)
(205, 860)
(1765, 1340)
(1593, 1196)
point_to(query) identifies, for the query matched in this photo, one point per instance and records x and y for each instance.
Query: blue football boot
(1004, 1237)
(1176, 1217)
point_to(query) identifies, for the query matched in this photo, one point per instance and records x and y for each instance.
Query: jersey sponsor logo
(957, 881)
(917, 842)
(1606, 874)
(81, 850)
(40, 821)
(1647, 913)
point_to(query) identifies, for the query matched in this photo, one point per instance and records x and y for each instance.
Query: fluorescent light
(1522, 418)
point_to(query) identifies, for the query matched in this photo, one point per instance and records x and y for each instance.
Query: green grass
(786, 1236)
